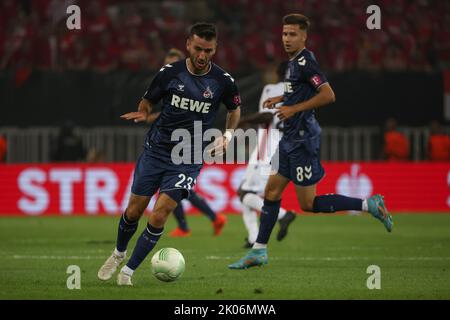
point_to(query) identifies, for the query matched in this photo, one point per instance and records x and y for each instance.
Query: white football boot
(110, 266)
(124, 279)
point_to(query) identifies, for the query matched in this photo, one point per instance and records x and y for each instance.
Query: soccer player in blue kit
(191, 91)
(306, 88)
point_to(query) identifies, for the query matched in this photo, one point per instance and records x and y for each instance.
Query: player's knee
(134, 213)
(241, 193)
(307, 205)
(158, 217)
(272, 194)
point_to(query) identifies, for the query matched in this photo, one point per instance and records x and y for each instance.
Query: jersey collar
(198, 75)
(297, 54)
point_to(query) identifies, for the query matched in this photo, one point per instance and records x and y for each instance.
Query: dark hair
(204, 30)
(281, 70)
(296, 18)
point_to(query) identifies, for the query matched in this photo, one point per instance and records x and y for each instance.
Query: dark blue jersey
(303, 79)
(186, 98)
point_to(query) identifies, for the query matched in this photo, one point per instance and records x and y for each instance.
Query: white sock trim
(365, 207)
(118, 253)
(259, 245)
(281, 213)
(125, 269)
(154, 234)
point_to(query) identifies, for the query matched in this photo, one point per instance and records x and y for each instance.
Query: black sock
(180, 217)
(126, 230)
(335, 202)
(146, 242)
(269, 216)
(200, 203)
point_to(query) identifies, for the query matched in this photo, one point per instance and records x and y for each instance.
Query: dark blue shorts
(299, 161)
(154, 171)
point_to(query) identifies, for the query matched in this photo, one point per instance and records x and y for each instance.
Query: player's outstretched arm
(152, 117)
(221, 144)
(324, 96)
(144, 109)
(272, 102)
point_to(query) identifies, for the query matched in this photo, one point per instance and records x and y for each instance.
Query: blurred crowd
(134, 35)
(396, 145)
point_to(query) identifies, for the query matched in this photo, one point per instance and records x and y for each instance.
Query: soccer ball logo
(168, 264)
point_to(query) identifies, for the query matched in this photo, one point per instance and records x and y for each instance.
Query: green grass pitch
(323, 257)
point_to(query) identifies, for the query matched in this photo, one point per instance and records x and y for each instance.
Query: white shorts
(255, 178)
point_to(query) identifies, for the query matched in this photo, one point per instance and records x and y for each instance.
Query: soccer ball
(168, 264)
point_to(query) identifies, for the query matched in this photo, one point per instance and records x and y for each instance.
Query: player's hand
(219, 147)
(285, 112)
(271, 102)
(138, 116)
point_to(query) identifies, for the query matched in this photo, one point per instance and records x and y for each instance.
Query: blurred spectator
(3, 148)
(396, 145)
(438, 143)
(135, 53)
(106, 54)
(415, 34)
(68, 146)
(173, 56)
(78, 58)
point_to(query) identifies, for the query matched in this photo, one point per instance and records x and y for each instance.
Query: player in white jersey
(258, 170)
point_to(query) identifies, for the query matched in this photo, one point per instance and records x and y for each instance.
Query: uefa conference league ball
(167, 264)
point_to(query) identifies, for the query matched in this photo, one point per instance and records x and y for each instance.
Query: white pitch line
(343, 258)
(59, 257)
(30, 257)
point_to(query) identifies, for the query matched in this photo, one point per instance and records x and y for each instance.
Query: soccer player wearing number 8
(191, 91)
(306, 88)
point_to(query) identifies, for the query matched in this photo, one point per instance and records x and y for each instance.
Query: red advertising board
(86, 189)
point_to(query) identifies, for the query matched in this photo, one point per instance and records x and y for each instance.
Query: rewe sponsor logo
(288, 87)
(189, 104)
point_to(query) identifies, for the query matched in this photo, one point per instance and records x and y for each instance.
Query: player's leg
(128, 225)
(182, 230)
(164, 206)
(285, 218)
(249, 216)
(330, 203)
(269, 213)
(146, 179)
(218, 220)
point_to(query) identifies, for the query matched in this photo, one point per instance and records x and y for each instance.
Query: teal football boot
(256, 257)
(377, 209)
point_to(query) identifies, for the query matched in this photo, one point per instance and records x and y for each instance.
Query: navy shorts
(154, 171)
(299, 161)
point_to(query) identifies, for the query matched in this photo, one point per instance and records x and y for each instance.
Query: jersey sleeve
(156, 89)
(312, 73)
(231, 97)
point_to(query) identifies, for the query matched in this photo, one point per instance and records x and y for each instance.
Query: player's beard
(200, 68)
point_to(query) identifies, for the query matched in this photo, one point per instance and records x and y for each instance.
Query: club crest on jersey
(208, 94)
